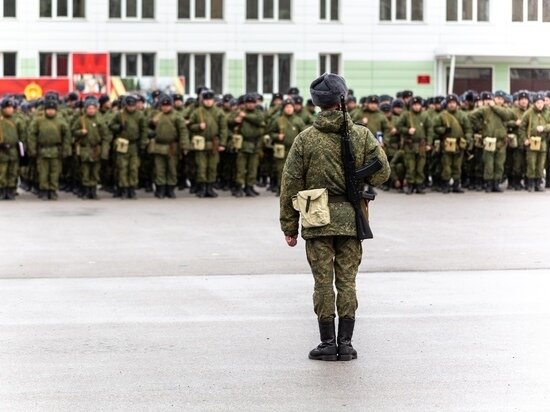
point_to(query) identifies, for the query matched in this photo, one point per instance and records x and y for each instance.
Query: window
(328, 10)
(467, 10)
(8, 8)
(62, 8)
(471, 78)
(401, 10)
(268, 9)
(131, 9)
(329, 63)
(132, 64)
(268, 73)
(200, 9)
(54, 64)
(531, 10)
(529, 79)
(201, 69)
(8, 64)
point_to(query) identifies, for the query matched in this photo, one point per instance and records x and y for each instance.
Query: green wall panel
(28, 67)
(167, 68)
(306, 72)
(235, 77)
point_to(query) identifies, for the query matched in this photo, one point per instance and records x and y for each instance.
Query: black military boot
(530, 185)
(538, 185)
(547, 183)
(200, 190)
(445, 187)
(256, 193)
(456, 187)
(132, 193)
(52, 195)
(408, 190)
(327, 349)
(420, 189)
(496, 187)
(488, 186)
(93, 193)
(238, 192)
(170, 192)
(248, 192)
(160, 191)
(210, 192)
(2, 194)
(42, 194)
(345, 333)
(123, 193)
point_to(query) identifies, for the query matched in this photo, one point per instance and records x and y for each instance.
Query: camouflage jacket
(315, 162)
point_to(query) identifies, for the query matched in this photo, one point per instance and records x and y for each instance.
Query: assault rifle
(355, 179)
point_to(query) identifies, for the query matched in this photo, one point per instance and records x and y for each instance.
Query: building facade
(380, 46)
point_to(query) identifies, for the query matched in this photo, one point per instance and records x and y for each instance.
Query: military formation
(166, 143)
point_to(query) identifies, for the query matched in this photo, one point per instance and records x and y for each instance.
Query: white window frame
(54, 64)
(328, 62)
(408, 13)
(275, 12)
(526, 11)
(328, 14)
(139, 7)
(208, 70)
(208, 12)
(2, 11)
(2, 64)
(260, 72)
(124, 75)
(54, 16)
(474, 19)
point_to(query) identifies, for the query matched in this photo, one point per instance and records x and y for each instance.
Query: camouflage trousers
(414, 168)
(536, 162)
(207, 166)
(166, 170)
(9, 172)
(247, 168)
(334, 262)
(127, 169)
(451, 166)
(493, 163)
(49, 170)
(89, 172)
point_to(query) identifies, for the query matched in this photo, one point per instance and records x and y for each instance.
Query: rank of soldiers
(209, 143)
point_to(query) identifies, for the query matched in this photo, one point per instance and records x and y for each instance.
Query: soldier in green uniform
(49, 143)
(455, 133)
(283, 130)
(433, 157)
(130, 130)
(416, 132)
(333, 250)
(12, 133)
(491, 121)
(92, 139)
(171, 137)
(250, 123)
(302, 113)
(108, 167)
(372, 118)
(516, 151)
(533, 133)
(208, 129)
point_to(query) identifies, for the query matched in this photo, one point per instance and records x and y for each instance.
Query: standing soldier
(533, 133)
(208, 128)
(130, 130)
(108, 166)
(171, 137)
(516, 150)
(372, 118)
(284, 129)
(333, 248)
(12, 135)
(250, 124)
(92, 145)
(455, 132)
(49, 143)
(416, 132)
(302, 113)
(491, 121)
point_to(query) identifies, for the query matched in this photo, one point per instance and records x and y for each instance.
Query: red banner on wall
(90, 73)
(34, 88)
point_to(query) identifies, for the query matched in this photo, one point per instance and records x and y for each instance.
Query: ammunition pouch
(490, 144)
(198, 143)
(478, 140)
(313, 207)
(279, 151)
(122, 145)
(535, 143)
(237, 141)
(512, 141)
(450, 145)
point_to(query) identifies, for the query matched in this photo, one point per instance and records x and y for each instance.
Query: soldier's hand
(540, 129)
(84, 132)
(428, 148)
(221, 149)
(291, 240)
(365, 120)
(393, 131)
(518, 122)
(412, 131)
(491, 103)
(281, 137)
(202, 125)
(242, 114)
(526, 142)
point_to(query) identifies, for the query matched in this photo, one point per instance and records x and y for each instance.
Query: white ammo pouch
(121, 145)
(313, 207)
(237, 140)
(199, 143)
(450, 144)
(512, 141)
(490, 144)
(535, 143)
(279, 151)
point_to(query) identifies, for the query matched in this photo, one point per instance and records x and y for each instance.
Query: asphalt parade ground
(198, 304)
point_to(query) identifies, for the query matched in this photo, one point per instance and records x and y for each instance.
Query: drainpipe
(452, 74)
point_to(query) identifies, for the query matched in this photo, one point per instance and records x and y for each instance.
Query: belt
(337, 199)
